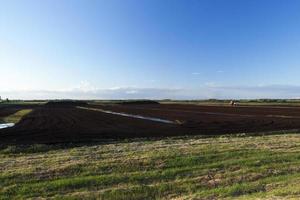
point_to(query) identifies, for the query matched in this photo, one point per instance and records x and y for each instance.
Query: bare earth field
(70, 123)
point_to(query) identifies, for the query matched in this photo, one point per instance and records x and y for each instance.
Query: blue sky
(177, 49)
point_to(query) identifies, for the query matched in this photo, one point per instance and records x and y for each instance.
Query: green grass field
(172, 168)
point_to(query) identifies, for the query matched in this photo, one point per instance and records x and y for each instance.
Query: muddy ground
(54, 123)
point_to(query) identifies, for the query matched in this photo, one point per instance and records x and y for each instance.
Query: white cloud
(131, 92)
(205, 91)
(211, 84)
(152, 81)
(111, 93)
(196, 73)
(86, 86)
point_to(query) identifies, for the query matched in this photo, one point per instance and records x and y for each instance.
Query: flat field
(190, 167)
(60, 122)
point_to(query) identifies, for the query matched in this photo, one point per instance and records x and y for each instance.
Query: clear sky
(150, 49)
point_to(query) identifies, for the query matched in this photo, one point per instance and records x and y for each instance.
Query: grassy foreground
(173, 168)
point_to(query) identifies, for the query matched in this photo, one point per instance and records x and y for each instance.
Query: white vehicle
(233, 103)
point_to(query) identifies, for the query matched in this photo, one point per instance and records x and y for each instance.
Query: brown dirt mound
(65, 103)
(139, 102)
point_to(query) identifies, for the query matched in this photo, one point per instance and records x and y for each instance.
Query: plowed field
(69, 123)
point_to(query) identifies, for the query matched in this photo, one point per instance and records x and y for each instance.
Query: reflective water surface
(131, 115)
(138, 116)
(6, 125)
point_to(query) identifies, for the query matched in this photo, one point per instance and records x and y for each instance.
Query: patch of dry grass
(16, 117)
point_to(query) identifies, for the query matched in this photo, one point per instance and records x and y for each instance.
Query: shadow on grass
(12, 148)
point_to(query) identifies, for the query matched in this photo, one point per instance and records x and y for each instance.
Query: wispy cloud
(84, 86)
(205, 91)
(110, 93)
(132, 92)
(253, 92)
(211, 84)
(196, 73)
(151, 80)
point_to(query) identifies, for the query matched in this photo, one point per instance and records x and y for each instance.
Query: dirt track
(53, 123)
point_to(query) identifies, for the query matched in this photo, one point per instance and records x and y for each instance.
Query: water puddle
(131, 115)
(6, 125)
